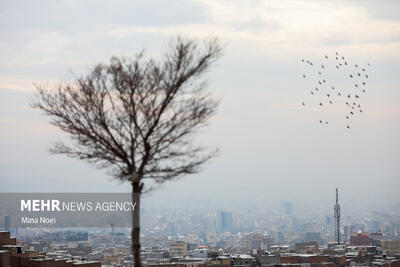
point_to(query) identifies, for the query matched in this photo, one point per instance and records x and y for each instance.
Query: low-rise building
(178, 249)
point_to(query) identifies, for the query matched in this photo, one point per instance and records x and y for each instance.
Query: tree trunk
(135, 234)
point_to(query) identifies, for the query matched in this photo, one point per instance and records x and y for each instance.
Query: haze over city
(271, 150)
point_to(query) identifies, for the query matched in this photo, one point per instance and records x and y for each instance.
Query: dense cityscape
(200, 133)
(220, 238)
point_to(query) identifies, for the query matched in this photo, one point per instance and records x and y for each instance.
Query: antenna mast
(337, 218)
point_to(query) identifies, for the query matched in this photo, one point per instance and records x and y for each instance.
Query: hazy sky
(272, 150)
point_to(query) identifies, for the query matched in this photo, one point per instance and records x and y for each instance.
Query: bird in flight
(352, 85)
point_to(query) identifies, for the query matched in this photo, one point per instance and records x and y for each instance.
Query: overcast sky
(272, 149)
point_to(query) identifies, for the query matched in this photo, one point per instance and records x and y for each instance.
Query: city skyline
(298, 165)
(271, 151)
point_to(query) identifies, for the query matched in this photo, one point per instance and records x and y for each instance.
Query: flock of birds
(326, 93)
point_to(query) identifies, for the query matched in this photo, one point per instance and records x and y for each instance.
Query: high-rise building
(224, 221)
(171, 228)
(346, 233)
(312, 237)
(287, 208)
(373, 225)
(329, 220)
(7, 223)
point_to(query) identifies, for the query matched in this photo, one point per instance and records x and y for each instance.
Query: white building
(200, 253)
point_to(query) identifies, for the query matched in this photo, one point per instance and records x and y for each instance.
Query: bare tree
(137, 117)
